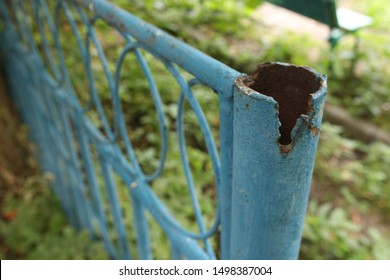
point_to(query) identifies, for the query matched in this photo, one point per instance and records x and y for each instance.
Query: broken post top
(292, 87)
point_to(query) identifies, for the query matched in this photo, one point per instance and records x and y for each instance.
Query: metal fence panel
(74, 149)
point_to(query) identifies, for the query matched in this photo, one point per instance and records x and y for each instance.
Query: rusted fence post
(277, 117)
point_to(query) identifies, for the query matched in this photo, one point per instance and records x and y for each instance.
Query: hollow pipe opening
(291, 87)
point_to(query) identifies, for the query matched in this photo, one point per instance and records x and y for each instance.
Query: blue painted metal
(225, 191)
(271, 181)
(76, 152)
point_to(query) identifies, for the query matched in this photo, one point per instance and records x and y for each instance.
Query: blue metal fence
(262, 183)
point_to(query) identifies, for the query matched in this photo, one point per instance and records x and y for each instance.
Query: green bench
(341, 21)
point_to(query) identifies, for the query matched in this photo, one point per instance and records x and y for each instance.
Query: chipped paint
(293, 96)
(279, 192)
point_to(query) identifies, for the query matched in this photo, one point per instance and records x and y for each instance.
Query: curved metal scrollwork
(78, 151)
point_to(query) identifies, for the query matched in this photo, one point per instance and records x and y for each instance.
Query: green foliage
(33, 226)
(330, 233)
(225, 16)
(347, 218)
(372, 178)
(360, 169)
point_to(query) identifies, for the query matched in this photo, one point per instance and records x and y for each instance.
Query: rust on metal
(291, 87)
(315, 130)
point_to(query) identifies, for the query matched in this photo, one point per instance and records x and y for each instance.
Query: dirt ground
(15, 149)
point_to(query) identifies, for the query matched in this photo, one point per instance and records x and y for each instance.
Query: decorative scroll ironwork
(77, 151)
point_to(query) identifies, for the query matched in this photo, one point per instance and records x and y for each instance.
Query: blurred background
(349, 209)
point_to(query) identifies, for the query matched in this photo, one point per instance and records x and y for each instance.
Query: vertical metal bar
(226, 136)
(273, 163)
(97, 204)
(72, 170)
(141, 226)
(189, 247)
(175, 253)
(142, 192)
(115, 206)
(60, 159)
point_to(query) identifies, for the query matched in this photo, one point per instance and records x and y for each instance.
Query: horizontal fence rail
(86, 140)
